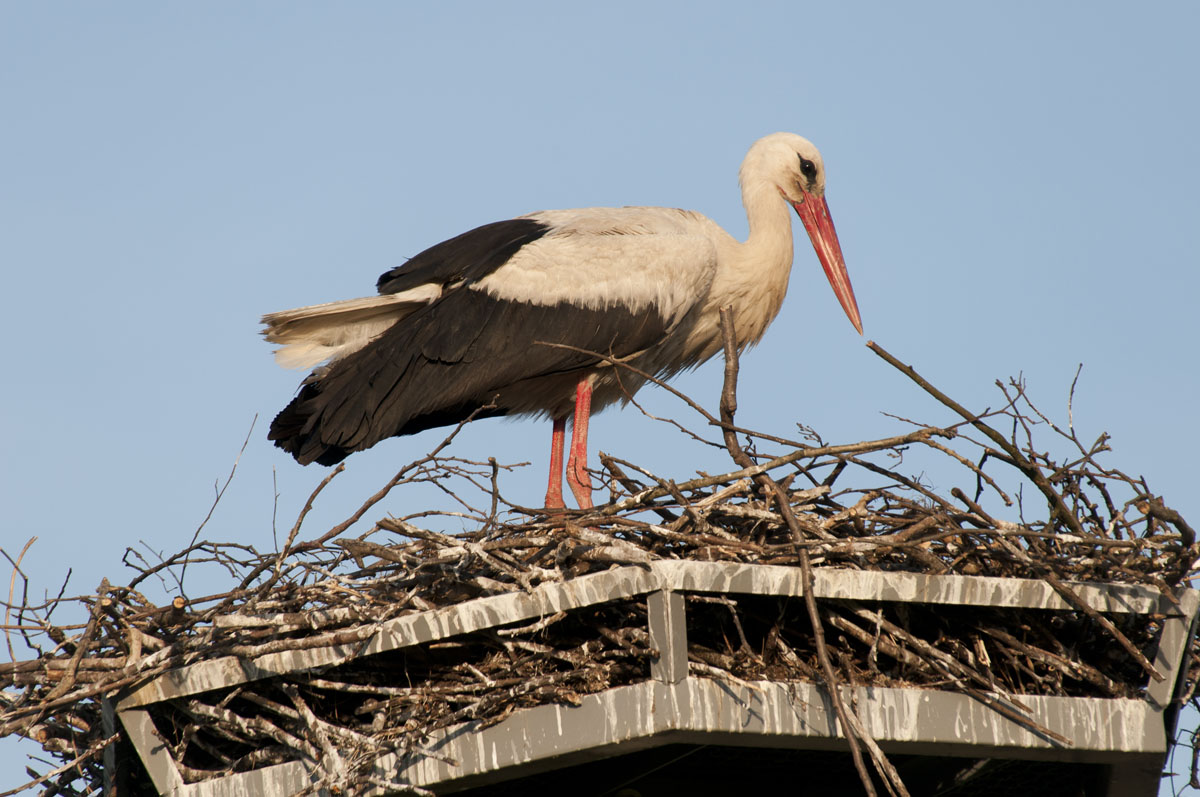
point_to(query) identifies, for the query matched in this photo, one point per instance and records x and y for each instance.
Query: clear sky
(1014, 185)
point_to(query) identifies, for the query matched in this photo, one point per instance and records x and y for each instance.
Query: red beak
(814, 212)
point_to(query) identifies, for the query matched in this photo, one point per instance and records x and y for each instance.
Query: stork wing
(498, 334)
(469, 256)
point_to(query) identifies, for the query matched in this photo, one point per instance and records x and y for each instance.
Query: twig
(1058, 508)
(91, 752)
(217, 498)
(728, 408)
(12, 584)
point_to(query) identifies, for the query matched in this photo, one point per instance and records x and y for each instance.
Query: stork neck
(753, 277)
(769, 245)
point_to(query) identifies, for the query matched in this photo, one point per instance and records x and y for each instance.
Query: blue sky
(1014, 186)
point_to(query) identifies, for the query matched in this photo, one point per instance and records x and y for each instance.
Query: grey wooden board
(276, 781)
(630, 582)
(769, 714)
(411, 629)
(665, 612)
(1172, 647)
(760, 714)
(154, 754)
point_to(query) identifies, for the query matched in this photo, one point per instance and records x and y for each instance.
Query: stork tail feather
(330, 331)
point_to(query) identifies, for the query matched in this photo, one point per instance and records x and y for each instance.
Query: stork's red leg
(577, 475)
(554, 496)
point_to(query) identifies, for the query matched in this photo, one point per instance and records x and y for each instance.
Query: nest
(804, 505)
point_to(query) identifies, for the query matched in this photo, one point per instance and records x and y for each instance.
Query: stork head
(794, 167)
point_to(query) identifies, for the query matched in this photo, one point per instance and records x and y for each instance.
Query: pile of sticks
(803, 505)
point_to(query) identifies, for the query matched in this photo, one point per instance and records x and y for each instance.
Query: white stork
(470, 325)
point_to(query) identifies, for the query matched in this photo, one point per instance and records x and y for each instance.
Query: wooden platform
(1129, 738)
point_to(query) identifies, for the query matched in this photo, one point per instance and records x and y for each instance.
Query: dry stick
(287, 545)
(618, 362)
(265, 565)
(1155, 508)
(336, 772)
(12, 585)
(91, 752)
(879, 758)
(728, 408)
(19, 720)
(611, 463)
(754, 471)
(217, 499)
(957, 671)
(1074, 669)
(495, 495)
(978, 471)
(1062, 589)
(1057, 507)
(801, 451)
(81, 647)
(252, 727)
(671, 421)
(409, 530)
(379, 496)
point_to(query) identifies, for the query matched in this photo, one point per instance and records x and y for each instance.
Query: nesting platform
(683, 719)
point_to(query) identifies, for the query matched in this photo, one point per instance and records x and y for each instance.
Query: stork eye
(807, 167)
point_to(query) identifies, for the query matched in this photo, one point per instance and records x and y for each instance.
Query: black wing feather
(468, 257)
(445, 361)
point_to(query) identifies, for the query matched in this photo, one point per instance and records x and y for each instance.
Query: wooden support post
(668, 635)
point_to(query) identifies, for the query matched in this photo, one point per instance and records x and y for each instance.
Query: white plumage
(311, 335)
(468, 326)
